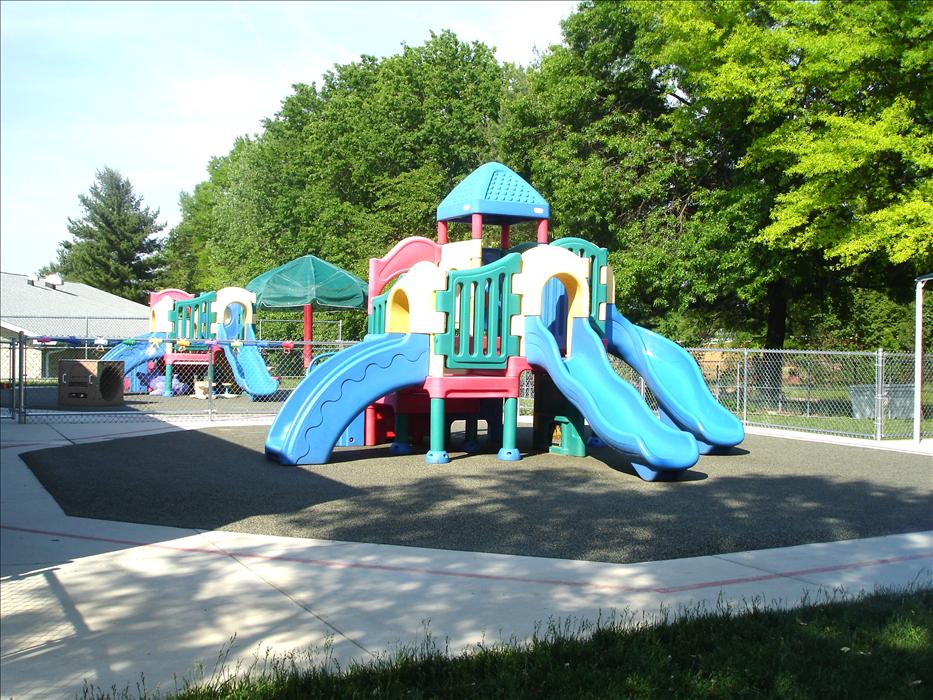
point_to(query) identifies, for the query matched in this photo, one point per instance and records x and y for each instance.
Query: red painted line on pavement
(330, 563)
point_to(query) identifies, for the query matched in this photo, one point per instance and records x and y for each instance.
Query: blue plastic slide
(614, 410)
(674, 377)
(247, 363)
(316, 413)
(136, 356)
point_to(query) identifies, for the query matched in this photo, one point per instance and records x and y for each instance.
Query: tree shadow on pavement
(771, 493)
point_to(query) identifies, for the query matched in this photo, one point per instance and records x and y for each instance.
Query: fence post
(879, 394)
(809, 384)
(210, 383)
(918, 359)
(13, 384)
(745, 386)
(22, 377)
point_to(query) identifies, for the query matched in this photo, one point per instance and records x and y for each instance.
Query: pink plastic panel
(398, 261)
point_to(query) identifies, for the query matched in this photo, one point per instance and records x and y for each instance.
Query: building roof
(496, 192)
(70, 308)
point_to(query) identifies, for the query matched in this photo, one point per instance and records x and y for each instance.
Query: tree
(839, 99)
(737, 165)
(345, 169)
(115, 247)
(823, 111)
(187, 251)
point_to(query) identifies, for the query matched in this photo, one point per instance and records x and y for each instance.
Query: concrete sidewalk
(104, 601)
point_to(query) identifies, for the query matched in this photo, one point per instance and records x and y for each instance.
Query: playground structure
(453, 335)
(189, 331)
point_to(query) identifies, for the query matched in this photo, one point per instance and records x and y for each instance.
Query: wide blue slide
(246, 362)
(612, 407)
(673, 375)
(136, 356)
(320, 408)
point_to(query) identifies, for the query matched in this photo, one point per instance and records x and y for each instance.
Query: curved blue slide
(246, 362)
(615, 411)
(320, 408)
(673, 375)
(136, 355)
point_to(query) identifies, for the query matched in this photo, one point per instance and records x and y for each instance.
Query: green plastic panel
(479, 305)
(192, 318)
(377, 319)
(599, 257)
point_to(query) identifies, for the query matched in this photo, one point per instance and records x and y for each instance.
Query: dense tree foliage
(833, 101)
(115, 247)
(344, 170)
(759, 172)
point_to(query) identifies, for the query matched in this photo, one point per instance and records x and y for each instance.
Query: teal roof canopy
(496, 192)
(308, 280)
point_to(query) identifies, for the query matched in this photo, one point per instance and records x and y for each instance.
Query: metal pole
(809, 384)
(879, 394)
(308, 333)
(210, 383)
(12, 377)
(918, 360)
(22, 377)
(745, 386)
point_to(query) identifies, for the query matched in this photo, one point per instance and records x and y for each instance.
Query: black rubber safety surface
(769, 492)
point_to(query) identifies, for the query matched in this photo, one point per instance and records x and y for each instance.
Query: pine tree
(115, 247)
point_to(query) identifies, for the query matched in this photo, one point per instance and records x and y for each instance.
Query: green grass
(894, 428)
(876, 646)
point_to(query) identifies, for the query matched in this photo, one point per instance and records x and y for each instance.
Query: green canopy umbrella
(308, 283)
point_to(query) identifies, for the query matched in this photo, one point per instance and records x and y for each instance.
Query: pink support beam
(477, 226)
(309, 332)
(442, 232)
(504, 237)
(542, 231)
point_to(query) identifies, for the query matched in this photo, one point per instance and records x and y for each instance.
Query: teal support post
(509, 452)
(167, 391)
(437, 454)
(402, 444)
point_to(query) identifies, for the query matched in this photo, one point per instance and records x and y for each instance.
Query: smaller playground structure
(452, 336)
(189, 331)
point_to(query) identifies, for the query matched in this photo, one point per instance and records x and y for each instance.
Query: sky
(155, 89)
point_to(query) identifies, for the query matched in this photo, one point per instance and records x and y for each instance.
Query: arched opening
(233, 321)
(557, 299)
(397, 312)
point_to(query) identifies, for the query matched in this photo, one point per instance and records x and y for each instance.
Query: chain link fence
(853, 394)
(857, 394)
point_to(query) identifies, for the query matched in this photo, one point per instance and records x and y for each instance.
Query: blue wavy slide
(247, 363)
(676, 380)
(614, 410)
(317, 412)
(136, 355)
